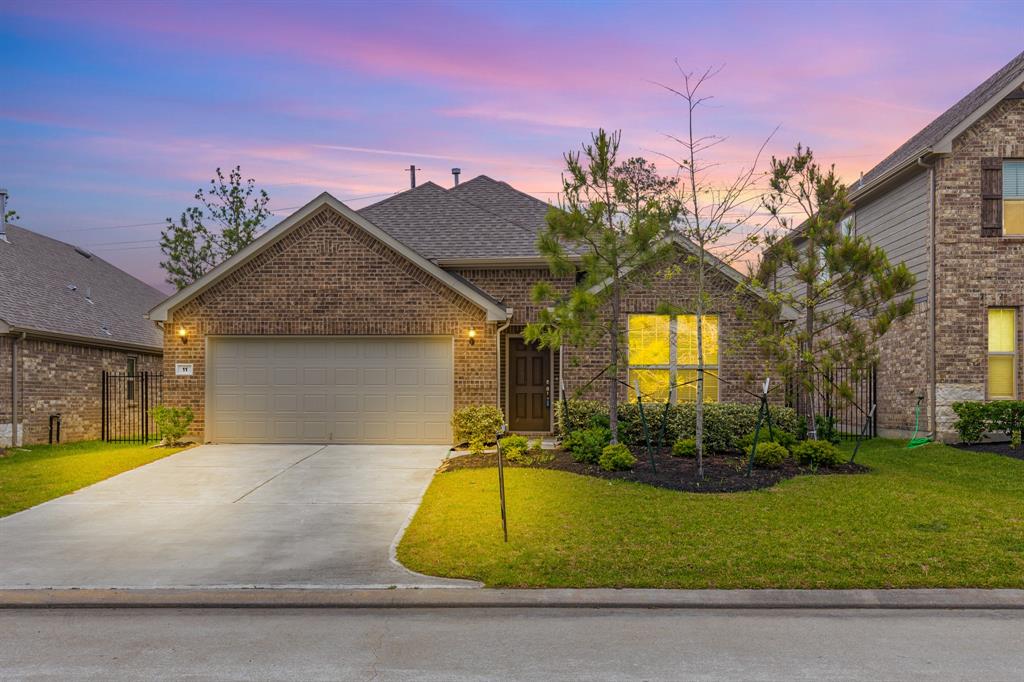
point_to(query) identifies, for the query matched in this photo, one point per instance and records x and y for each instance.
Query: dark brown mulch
(722, 473)
(1002, 448)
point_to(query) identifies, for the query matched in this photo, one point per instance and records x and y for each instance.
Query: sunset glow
(113, 114)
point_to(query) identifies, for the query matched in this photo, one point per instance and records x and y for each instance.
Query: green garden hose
(916, 442)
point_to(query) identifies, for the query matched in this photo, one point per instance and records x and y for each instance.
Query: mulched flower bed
(722, 473)
(1003, 449)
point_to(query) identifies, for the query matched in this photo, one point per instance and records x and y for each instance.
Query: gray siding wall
(897, 221)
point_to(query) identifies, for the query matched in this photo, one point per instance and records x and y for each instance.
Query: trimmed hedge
(725, 424)
(975, 418)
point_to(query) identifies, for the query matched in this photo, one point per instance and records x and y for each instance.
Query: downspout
(497, 354)
(15, 348)
(932, 300)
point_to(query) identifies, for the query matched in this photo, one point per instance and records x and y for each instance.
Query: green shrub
(769, 455)
(725, 424)
(972, 420)
(515, 449)
(172, 422)
(783, 438)
(975, 418)
(1007, 416)
(817, 452)
(477, 425)
(581, 414)
(616, 458)
(826, 428)
(586, 444)
(684, 447)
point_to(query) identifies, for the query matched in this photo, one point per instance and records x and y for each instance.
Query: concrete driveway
(230, 515)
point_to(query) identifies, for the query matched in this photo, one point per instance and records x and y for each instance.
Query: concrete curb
(433, 598)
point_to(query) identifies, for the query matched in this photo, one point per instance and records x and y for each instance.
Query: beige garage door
(329, 390)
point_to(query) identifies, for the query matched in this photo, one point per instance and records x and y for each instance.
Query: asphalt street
(506, 643)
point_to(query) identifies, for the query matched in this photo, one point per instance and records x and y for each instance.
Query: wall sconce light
(472, 336)
(183, 334)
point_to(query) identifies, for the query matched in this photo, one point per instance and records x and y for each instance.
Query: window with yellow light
(1002, 354)
(663, 357)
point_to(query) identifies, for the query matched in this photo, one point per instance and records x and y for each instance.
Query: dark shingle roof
(950, 119)
(503, 199)
(480, 219)
(36, 276)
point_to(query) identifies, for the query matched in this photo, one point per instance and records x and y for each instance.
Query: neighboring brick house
(65, 316)
(374, 325)
(950, 203)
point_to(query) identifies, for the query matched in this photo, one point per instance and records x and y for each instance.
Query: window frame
(1004, 198)
(1012, 354)
(131, 368)
(674, 367)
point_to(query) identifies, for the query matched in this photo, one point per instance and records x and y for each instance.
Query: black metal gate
(847, 415)
(125, 401)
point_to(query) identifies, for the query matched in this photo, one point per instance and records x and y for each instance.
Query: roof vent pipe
(3, 215)
(455, 174)
(412, 176)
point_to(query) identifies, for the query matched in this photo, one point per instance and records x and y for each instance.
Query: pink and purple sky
(114, 113)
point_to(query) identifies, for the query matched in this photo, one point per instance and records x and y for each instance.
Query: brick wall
(329, 277)
(60, 378)
(903, 374)
(974, 272)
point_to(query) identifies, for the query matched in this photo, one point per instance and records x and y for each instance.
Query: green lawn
(929, 517)
(38, 473)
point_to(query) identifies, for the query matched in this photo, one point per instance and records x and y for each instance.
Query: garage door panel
(346, 376)
(408, 403)
(437, 377)
(375, 376)
(286, 376)
(343, 390)
(375, 404)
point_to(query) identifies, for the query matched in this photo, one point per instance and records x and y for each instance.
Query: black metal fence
(847, 413)
(125, 401)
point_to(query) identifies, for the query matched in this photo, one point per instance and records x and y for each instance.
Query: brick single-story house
(372, 326)
(66, 315)
(949, 202)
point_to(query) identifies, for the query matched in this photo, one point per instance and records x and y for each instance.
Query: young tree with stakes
(611, 222)
(231, 214)
(720, 218)
(844, 290)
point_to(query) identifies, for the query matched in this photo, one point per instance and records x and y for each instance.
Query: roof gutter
(867, 189)
(82, 340)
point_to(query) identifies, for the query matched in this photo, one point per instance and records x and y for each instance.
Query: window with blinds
(1013, 197)
(1002, 354)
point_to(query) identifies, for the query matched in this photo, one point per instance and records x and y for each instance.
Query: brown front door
(529, 387)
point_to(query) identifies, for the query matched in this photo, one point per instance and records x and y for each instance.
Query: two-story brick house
(949, 202)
